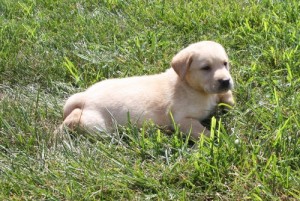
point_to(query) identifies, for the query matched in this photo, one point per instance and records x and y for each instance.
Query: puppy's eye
(206, 68)
(225, 63)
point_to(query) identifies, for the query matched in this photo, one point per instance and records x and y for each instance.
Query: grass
(51, 49)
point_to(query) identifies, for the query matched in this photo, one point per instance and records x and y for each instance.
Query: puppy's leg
(227, 98)
(73, 119)
(188, 125)
(80, 120)
(88, 120)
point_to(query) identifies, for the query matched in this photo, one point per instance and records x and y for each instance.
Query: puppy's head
(204, 66)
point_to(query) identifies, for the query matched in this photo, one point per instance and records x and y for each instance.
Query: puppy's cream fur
(198, 80)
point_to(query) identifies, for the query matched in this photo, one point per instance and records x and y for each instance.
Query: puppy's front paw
(230, 101)
(227, 98)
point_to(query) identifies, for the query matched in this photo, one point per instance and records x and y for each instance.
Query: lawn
(50, 49)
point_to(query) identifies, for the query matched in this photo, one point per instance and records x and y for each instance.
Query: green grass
(52, 49)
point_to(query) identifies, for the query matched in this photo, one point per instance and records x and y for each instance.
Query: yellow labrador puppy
(198, 80)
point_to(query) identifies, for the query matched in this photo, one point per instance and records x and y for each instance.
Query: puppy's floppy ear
(181, 63)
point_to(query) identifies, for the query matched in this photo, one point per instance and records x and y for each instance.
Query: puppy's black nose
(224, 84)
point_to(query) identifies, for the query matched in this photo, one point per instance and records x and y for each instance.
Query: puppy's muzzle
(224, 84)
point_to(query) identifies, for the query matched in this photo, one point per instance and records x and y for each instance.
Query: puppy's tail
(74, 102)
